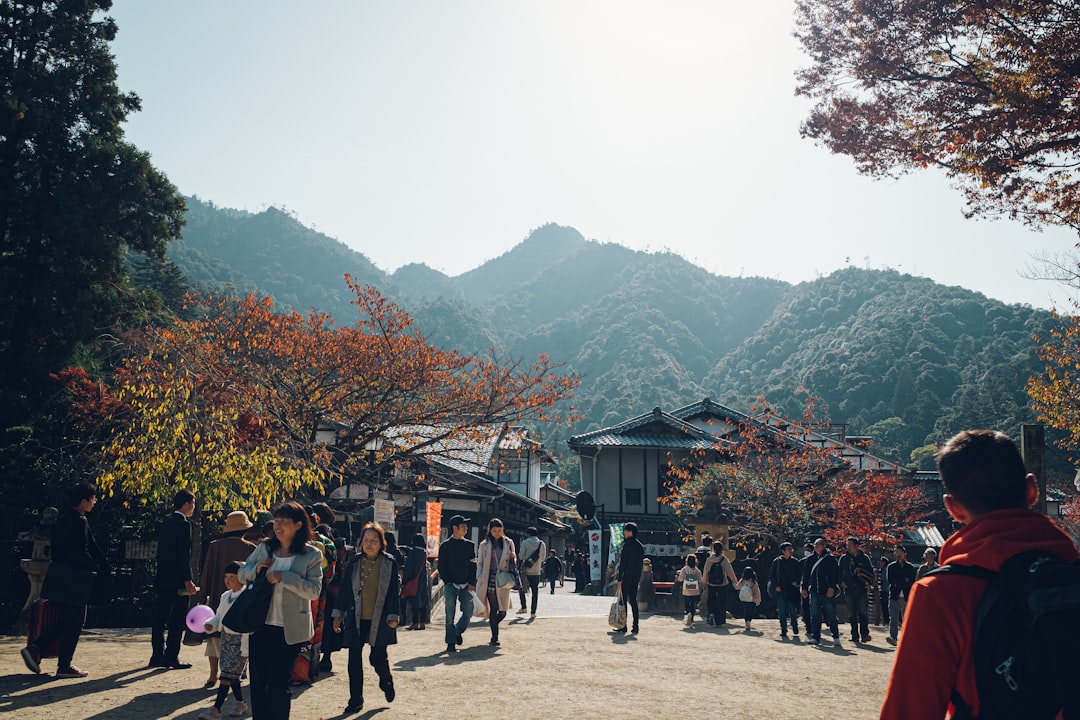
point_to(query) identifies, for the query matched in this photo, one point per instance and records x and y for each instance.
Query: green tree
(985, 91)
(74, 196)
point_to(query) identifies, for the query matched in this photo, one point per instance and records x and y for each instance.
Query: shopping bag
(617, 613)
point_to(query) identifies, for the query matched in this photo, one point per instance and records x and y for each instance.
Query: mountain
(895, 356)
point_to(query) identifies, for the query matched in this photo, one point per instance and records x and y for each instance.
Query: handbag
(616, 616)
(505, 579)
(249, 609)
(193, 639)
(67, 584)
(409, 588)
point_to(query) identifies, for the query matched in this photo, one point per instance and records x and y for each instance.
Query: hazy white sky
(443, 132)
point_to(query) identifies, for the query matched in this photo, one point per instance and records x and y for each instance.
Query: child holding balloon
(234, 649)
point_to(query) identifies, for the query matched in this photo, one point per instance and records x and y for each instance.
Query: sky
(444, 132)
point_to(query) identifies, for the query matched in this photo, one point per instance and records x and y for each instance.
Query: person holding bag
(494, 559)
(74, 552)
(416, 587)
(293, 568)
(367, 612)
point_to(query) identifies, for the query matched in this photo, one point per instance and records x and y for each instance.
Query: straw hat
(237, 520)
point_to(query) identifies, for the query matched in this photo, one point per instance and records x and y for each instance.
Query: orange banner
(434, 527)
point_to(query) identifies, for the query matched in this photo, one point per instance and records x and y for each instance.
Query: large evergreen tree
(74, 196)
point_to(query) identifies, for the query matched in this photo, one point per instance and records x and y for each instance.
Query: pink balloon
(198, 616)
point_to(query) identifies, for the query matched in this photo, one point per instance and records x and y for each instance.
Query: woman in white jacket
(495, 555)
(294, 568)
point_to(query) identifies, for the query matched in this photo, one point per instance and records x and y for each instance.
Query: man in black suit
(173, 583)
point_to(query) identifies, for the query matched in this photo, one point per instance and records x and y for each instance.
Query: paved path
(565, 663)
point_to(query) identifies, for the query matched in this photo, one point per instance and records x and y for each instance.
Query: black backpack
(1026, 660)
(716, 573)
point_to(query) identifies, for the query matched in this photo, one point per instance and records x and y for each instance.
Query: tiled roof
(708, 407)
(924, 534)
(679, 433)
(648, 441)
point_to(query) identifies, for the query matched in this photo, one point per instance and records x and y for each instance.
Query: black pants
(717, 606)
(378, 659)
(884, 598)
(68, 627)
(534, 585)
(270, 662)
(629, 595)
(858, 612)
(495, 615)
(171, 611)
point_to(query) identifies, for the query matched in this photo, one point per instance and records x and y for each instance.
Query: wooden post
(1033, 449)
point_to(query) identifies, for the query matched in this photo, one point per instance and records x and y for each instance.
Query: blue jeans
(821, 606)
(788, 608)
(452, 597)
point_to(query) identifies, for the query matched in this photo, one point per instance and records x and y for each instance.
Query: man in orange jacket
(988, 493)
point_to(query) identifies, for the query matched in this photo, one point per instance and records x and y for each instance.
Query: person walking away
(691, 580)
(72, 545)
(929, 563)
(553, 569)
(173, 583)
(416, 572)
(856, 577)
(628, 574)
(533, 553)
(822, 587)
(457, 570)
(901, 575)
(749, 595)
(233, 647)
(988, 492)
(231, 547)
(495, 555)
(367, 612)
(718, 574)
(294, 568)
(784, 574)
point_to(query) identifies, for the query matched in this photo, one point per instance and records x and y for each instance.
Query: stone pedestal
(36, 565)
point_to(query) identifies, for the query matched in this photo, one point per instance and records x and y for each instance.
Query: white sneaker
(521, 611)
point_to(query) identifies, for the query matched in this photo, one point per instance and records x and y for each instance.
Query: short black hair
(81, 491)
(182, 498)
(983, 471)
(530, 530)
(784, 546)
(233, 568)
(632, 527)
(691, 560)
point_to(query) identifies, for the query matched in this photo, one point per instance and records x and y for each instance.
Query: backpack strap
(974, 571)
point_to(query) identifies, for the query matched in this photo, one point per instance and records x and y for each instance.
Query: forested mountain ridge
(895, 356)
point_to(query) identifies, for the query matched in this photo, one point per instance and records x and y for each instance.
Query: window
(633, 496)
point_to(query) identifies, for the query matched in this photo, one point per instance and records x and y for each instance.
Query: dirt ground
(563, 664)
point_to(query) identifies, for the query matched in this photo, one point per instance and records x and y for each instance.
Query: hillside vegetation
(897, 357)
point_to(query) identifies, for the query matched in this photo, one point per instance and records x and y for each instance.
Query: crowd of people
(271, 588)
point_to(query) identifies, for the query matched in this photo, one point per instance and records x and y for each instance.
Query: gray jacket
(299, 585)
(527, 550)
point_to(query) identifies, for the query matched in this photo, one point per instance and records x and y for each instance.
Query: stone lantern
(38, 563)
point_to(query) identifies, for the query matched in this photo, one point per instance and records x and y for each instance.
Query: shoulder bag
(249, 609)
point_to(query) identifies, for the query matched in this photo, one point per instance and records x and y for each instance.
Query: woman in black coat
(367, 611)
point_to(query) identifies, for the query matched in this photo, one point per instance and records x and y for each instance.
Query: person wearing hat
(457, 570)
(231, 547)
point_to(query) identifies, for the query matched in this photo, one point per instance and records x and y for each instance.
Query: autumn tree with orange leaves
(229, 403)
(768, 480)
(874, 508)
(984, 91)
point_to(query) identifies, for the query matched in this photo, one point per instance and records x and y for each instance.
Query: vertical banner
(434, 527)
(616, 543)
(384, 514)
(595, 572)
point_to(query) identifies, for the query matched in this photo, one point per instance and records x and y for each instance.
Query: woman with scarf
(495, 555)
(367, 612)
